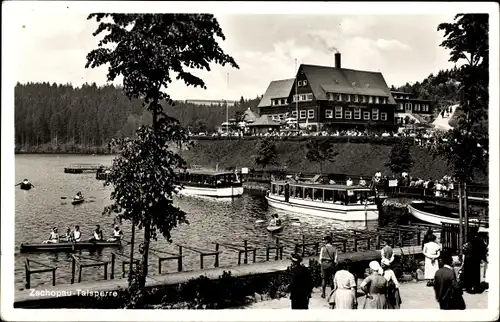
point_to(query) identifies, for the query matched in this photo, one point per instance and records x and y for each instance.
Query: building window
(370, 99)
(348, 115)
(417, 107)
(383, 116)
(329, 114)
(283, 102)
(347, 97)
(282, 117)
(300, 83)
(339, 97)
(375, 114)
(330, 97)
(275, 117)
(362, 98)
(309, 97)
(303, 114)
(352, 98)
(303, 97)
(338, 112)
(426, 108)
(310, 114)
(304, 83)
(294, 113)
(356, 98)
(357, 113)
(400, 107)
(399, 120)
(366, 115)
(376, 100)
(407, 107)
(384, 100)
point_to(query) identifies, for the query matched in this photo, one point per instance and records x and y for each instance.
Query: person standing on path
(343, 295)
(328, 260)
(427, 237)
(393, 295)
(432, 251)
(387, 254)
(446, 288)
(375, 288)
(301, 284)
(474, 253)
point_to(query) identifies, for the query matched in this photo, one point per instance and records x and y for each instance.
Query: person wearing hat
(328, 260)
(393, 295)
(301, 284)
(375, 288)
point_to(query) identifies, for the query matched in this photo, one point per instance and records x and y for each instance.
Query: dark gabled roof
(264, 120)
(323, 79)
(277, 89)
(249, 116)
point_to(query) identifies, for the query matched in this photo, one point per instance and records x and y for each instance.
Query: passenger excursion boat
(333, 201)
(67, 246)
(208, 183)
(436, 214)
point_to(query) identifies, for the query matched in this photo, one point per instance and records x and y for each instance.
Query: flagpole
(227, 107)
(296, 97)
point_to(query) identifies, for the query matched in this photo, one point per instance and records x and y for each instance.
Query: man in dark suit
(448, 296)
(301, 284)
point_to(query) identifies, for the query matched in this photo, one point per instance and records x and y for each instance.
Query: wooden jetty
(25, 298)
(83, 167)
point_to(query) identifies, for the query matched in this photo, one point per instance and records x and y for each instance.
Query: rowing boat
(67, 246)
(25, 186)
(274, 228)
(77, 201)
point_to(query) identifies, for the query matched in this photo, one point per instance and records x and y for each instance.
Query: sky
(52, 47)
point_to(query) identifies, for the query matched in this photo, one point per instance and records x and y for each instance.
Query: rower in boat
(25, 184)
(97, 234)
(117, 234)
(53, 238)
(76, 234)
(69, 236)
(275, 221)
(79, 195)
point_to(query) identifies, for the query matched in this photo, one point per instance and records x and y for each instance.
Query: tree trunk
(460, 214)
(466, 215)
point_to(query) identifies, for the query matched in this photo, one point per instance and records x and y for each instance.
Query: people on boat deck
(68, 236)
(76, 234)
(349, 182)
(362, 182)
(117, 234)
(53, 238)
(97, 234)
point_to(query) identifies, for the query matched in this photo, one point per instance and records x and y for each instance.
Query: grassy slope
(354, 159)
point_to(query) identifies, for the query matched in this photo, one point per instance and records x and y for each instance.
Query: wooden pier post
(113, 258)
(54, 277)
(245, 242)
(418, 237)
(267, 253)
(303, 245)
(28, 275)
(344, 246)
(106, 271)
(217, 255)
(368, 246)
(179, 261)
(355, 244)
(73, 269)
(377, 246)
(201, 260)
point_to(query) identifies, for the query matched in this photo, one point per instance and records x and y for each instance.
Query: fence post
(73, 269)
(355, 244)
(80, 274)
(246, 252)
(179, 261)
(368, 243)
(201, 261)
(267, 253)
(113, 257)
(254, 255)
(344, 245)
(418, 237)
(303, 245)
(377, 246)
(54, 277)
(106, 271)
(239, 257)
(399, 237)
(216, 255)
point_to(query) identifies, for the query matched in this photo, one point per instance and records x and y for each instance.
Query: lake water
(226, 221)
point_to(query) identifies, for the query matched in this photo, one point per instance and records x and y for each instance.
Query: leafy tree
(320, 152)
(147, 49)
(400, 159)
(466, 146)
(266, 153)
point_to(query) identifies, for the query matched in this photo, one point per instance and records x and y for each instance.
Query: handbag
(331, 298)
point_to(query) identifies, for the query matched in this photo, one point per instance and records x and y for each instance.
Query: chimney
(337, 60)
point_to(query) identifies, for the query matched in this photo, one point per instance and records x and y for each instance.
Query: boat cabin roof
(324, 186)
(208, 172)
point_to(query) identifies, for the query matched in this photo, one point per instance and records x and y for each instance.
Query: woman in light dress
(432, 250)
(375, 288)
(343, 295)
(393, 295)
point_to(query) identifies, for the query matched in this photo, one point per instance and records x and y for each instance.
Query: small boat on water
(77, 201)
(210, 183)
(435, 214)
(333, 201)
(274, 228)
(67, 246)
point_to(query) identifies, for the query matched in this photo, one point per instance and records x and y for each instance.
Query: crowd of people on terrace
(380, 286)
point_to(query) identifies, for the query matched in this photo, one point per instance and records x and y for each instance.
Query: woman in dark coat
(474, 251)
